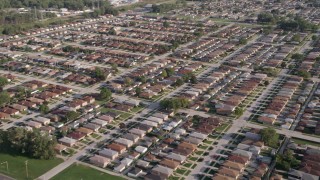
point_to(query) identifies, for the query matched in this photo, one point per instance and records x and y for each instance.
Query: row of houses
(89, 125)
(228, 104)
(33, 100)
(101, 55)
(310, 116)
(279, 102)
(156, 80)
(131, 145)
(179, 145)
(51, 29)
(175, 26)
(154, 35)
(245, 159)
(309, 164)
(142, 46)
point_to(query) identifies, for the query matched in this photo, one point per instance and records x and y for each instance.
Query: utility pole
(6, 162)
(26, 162)
(35, 13)
(41, 15)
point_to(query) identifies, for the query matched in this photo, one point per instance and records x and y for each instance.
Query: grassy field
(84, 173)
(305, 142)
(17, 167)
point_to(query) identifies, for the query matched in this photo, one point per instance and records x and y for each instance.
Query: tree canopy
(174, 103)
(3, 81)
(4, 98)
(286, 161)
(165, 7)
(71, 116)
(12, 22)
(266, 18)
(99, 74)
(269, 136)
(105, 93)
(44, 108)
(297, 24)
(303, 73)
(28, 143)
(297, 56)
(70, 4)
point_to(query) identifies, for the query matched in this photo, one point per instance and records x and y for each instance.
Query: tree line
(13, 22)
(165, 7)
(70, 4)
(290, 23)
(33, 144)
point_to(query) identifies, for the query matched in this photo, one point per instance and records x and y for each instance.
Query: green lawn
(84, 173)
(222, 128)
(17, 167)
(193, 158)
(187, 165)
(181, 171)
(305, 142)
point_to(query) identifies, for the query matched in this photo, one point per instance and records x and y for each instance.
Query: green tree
(44, 108)
(179, 82)
(303, 73)
(99, 74)
(286, 161)
(174, 103)
(239, 111)
(71, 116)
(198, 33)
(105, 93)
(138, 91)
(314, 37)
(166, 24)
(112, 31)
(142, 79)
(4, 98)
(270, 137)
(273, 72)
(170, 71)
(283, 65)
(132, 23)
(164, 74)
(297, 56)
(3, 81)
(33, 144)
(193, 79)
(266, 18)
(128, 81)
(243, 41)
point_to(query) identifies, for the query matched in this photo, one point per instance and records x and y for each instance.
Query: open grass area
(17, 167)
(187, 165)
(141, 4)
(305, 142)
(181, 171)
(84, 173)
(222, 128)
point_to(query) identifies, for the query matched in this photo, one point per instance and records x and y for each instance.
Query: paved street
(255, 53)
